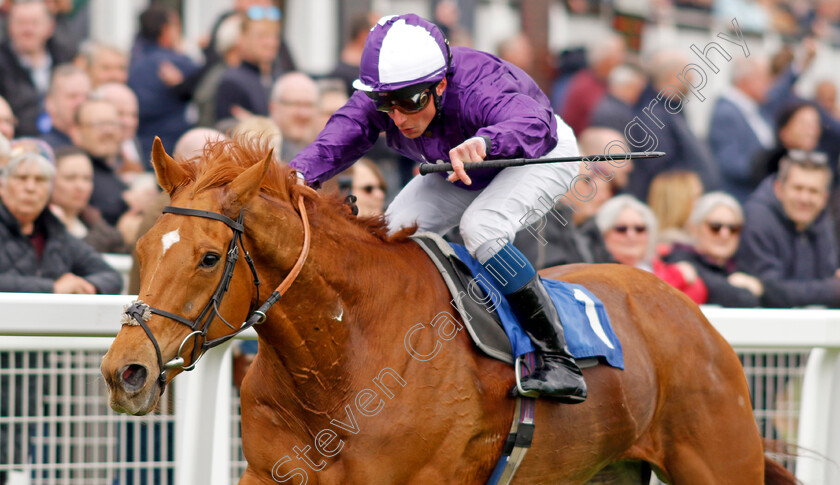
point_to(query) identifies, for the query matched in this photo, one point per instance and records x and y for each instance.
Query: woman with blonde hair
(671, 197)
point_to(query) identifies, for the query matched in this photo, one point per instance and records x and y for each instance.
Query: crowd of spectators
(743, 216)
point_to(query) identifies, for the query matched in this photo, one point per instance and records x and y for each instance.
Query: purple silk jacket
(484, 96)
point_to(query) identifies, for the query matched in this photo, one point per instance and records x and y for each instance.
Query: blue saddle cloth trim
(588, 330)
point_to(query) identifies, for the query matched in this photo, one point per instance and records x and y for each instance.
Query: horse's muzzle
(130, 388)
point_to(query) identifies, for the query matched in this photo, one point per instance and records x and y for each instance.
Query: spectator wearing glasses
(128, 108)
(369, 187)
(788, 238)
(628, 226)
(294, 108)
(8, 122)
(243, 90)
(38, 254)
(461, 105)
(98, 133)
(715, 226)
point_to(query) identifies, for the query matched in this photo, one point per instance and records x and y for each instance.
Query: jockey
(462, 106)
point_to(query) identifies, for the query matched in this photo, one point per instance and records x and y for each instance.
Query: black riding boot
(557, 374)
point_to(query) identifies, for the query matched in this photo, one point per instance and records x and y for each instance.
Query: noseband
(139, 313)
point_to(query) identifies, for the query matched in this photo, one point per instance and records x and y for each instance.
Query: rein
(139, 313)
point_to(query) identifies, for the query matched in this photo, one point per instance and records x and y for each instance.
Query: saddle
(477, 302)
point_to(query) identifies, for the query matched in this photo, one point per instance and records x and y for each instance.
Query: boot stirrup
(517, 370)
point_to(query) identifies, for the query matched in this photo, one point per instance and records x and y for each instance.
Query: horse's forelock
(223, 160)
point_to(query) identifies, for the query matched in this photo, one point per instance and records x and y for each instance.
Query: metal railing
(54, 403)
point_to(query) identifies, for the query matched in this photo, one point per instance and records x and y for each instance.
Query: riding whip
(428, 168)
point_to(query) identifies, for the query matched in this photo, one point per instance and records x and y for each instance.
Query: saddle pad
(491, 323)
(585, 322)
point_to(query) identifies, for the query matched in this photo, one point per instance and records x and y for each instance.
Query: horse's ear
(170, 174)
(246, 185)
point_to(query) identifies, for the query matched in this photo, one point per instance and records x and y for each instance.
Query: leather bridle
(140, 312)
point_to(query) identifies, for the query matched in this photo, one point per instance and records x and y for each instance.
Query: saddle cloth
(493, 327)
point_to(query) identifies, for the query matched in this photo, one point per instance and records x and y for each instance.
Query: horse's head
(192, 283)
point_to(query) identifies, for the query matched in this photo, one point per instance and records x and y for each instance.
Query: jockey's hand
(472, 150)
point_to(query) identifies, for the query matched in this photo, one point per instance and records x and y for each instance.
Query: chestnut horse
(338, 395)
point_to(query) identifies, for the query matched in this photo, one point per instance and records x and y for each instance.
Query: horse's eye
(209, 260)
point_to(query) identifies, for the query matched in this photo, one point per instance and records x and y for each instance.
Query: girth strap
(521, 431)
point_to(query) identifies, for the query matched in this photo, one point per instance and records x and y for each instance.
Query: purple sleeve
(348, 135)
(517, 124)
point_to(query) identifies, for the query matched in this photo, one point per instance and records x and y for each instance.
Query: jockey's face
(413, 125)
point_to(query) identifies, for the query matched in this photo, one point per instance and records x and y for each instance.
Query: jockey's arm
(512, 125)
(348, 135)
(517, 126)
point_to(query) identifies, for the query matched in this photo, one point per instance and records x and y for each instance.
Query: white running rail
(203, 429)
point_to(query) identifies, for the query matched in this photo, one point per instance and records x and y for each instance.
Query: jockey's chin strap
(138, 313)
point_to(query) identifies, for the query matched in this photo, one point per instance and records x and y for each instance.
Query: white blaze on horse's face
(169, 239)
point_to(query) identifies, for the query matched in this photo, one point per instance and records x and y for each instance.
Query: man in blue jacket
(788, 240)
(742, 120)
(162, 77)
(462, 106)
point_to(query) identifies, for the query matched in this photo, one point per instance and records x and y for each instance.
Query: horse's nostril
(133, 377)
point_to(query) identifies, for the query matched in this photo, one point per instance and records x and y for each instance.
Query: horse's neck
(343, 319)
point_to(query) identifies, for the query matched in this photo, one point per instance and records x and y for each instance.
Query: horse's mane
(222, 161)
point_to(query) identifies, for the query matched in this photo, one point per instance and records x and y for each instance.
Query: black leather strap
(177, 318)
(235, 225)
(136, 311)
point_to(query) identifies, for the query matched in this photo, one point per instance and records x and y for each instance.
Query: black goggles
(409, 100)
